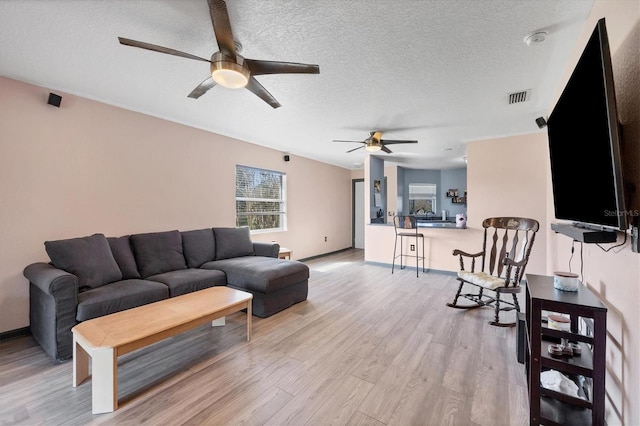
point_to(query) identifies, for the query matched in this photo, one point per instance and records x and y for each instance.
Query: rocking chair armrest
(510, 262)
(457, 252)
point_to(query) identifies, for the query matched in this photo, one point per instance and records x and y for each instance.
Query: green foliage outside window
(260, 201)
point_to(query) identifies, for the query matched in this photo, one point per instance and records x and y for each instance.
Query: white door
(358, 215)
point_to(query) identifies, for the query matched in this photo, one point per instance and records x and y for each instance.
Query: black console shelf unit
(585, 235)
(554, 408)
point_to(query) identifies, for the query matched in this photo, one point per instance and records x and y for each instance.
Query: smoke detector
(535, 37)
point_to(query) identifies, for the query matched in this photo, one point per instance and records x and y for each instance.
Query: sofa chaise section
(275, 283)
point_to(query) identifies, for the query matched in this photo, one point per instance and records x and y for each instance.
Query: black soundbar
(585, 235)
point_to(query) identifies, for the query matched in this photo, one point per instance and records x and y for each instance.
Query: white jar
(566, 281)
(559, 322)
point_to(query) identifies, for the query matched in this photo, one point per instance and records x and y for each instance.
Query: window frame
(282, 212)
(423, 191)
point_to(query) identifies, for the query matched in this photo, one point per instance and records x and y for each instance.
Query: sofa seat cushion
(260, 274)
(118, 296)
(158, 252)
(88, 258)
(189, 280)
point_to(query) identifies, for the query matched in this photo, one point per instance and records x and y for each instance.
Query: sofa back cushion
(88, 258)
(123, 254)
(158, 252)
(233, 242)
(199, 247)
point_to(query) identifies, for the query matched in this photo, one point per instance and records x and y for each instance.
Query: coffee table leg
(249, 315)
(104, 386)
(80, 363)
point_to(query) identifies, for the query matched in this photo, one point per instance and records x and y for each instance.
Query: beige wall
(505, 177)
(88, 167)
(614, 276)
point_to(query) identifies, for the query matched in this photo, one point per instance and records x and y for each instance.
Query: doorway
(357, 221)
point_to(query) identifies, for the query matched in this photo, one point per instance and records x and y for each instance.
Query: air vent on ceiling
(518, 97)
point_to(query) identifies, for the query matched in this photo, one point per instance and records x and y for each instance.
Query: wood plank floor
(366, 348)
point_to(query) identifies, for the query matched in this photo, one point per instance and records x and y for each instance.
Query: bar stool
(402, 224)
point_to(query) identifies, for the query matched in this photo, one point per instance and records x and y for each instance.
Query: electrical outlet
(413, 247)
(635, 244)
(325, 239)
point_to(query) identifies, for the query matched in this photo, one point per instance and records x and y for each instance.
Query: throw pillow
(122, 253)
(233, 242)
(199, 247)
(158, 252)
(88, 258)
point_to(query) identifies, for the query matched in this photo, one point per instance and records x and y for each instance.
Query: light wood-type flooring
(366, 348)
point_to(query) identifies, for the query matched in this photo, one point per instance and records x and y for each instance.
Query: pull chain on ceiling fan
(228, 67)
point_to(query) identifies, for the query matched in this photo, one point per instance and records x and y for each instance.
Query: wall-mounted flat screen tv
(584, 142)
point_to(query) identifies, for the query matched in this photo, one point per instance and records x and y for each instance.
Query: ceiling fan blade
(348, 141)
(202, 88)
(391, 142)
(385, 149)
(258, 67)
(355, 149)
(160, 49)
(262, 93)
(222, 28)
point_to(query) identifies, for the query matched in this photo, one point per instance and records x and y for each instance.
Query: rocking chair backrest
(510, 237)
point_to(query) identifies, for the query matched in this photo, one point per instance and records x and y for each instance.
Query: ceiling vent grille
(519, 97)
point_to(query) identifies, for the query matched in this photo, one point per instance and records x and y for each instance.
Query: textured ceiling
(436, 71)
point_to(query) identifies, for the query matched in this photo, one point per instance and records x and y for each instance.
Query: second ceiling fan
(228, 68)
(375, 143)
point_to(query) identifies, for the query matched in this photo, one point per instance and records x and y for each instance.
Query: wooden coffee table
(105, 338)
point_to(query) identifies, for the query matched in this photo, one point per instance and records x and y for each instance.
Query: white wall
(88, 167)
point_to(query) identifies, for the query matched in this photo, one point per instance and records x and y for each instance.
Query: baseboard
(389, 265)
(12, 334)
(324, 254)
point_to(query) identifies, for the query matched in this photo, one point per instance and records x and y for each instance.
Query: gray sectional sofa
(93, 276)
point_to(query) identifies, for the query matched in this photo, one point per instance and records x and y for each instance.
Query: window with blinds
(422, 198)
(260, 199)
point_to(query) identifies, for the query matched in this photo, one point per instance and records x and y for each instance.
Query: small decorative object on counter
(461, 221)
(566, 281)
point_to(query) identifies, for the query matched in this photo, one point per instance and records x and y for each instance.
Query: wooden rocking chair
(511, 240)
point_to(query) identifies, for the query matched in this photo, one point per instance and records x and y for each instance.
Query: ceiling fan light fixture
(229, 74)
(373, 147)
